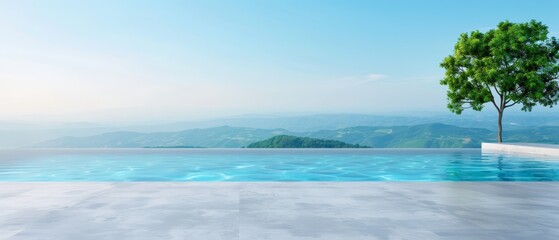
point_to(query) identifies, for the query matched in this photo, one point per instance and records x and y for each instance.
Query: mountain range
(23, 134)
(433, 135)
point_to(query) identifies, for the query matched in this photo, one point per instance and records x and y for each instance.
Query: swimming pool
(177, 165)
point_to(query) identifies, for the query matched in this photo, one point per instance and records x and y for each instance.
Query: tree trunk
(500, 128)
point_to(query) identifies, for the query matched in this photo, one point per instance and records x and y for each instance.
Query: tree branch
(492, 97)
(495, 104)
(510, 105)
(502, 101)
(495, 87)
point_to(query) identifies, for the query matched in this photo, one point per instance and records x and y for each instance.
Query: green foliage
(285, 141)
(514, 63)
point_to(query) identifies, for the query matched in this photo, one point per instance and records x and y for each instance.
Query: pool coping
(551, 150)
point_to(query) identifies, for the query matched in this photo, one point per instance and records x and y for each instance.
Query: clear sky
(178, 60)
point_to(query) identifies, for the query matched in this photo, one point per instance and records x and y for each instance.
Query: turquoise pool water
(271, 165)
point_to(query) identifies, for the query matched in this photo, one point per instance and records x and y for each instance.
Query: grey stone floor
(296, 210)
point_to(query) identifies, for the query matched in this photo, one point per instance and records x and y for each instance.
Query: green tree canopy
(516, 63)
(286, 141)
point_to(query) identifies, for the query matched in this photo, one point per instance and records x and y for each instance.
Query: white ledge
(522, 148)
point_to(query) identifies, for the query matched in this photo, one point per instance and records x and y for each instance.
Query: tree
(516, 63)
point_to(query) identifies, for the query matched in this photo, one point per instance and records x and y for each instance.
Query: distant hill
(543, 134)
(285, 141)
(224, 137)
(435, 135)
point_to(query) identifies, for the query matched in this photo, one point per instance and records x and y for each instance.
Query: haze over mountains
(435, 135)
(365, 130)
(368, 130)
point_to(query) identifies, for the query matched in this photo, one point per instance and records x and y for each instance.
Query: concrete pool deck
(279, 210)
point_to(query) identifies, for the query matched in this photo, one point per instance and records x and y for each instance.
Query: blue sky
(177, 60)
